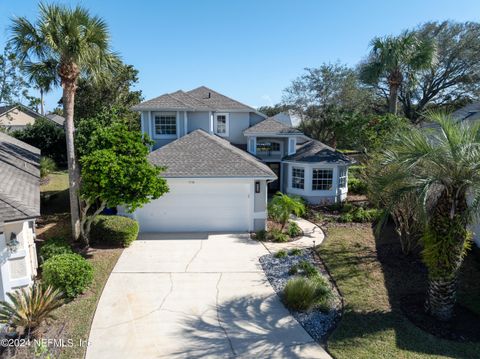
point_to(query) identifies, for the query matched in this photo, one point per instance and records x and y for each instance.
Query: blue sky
(247, 49)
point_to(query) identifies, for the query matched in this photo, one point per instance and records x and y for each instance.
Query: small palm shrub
(293, 230)
(69, 272)
(28, 308)
(115, 230)
(47, 166)
(282, 206)
(304, 268)
(54, 246)
(302, 293)
(280, 254)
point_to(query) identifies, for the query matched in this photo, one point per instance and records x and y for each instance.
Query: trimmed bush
(69, 272)
(53, 247)
(280, 254)
(303, 293)
(115, 230)
(295, 252)
(294, 230)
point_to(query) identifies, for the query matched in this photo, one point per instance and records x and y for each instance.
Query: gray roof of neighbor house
(470, 112)
(199, 99)
(315, 151)
(272, 126)
(19, 180)
(200, 154)
(56, 118)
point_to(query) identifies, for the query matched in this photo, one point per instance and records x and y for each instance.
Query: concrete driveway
(194, 296)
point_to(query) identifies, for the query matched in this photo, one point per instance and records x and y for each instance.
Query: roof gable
(200, 154)
(19, 179)
(272, 126)
(315, 151)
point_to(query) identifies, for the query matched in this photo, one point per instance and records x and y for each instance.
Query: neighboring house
(224, 157)
(56, 118)
(19, 207)
(17, 117)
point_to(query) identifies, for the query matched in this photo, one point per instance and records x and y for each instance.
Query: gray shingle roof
(272, 126)
(19, 180)
(56, 118)
(199, 99)
(200, 154)
(315, 152)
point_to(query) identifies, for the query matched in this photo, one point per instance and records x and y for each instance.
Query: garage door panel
(211, 206)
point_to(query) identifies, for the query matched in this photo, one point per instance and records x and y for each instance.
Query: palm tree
(441, 168)
(76, 43)
(282, 206)
(44, 76)
(390, 57)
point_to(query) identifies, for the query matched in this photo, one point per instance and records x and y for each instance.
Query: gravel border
(317, 323)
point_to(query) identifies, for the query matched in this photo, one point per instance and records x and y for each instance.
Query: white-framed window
(252, 145)
(322, 179)
(342, 177)
(298, 178)
(165, 124)
(266, 146)
(221, 124)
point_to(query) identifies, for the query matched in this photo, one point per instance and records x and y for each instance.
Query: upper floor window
(221, 124)
(268, 147)
(322, 179)
(165, 123)
(298, 178)
(342, 177)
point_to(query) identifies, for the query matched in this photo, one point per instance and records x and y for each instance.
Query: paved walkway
(313, 235)
(194, 296)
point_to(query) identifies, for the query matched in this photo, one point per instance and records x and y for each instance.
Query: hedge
(115, 230)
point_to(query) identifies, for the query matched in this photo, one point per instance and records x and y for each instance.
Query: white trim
(177, 124)
(164, 137)
(292, 145)
(185, 123)
(252, 145)
(210, 124)
(227, 123)
(150, 124)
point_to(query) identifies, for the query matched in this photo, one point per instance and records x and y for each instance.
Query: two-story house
(221, 160)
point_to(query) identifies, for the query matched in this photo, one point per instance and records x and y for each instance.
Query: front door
(274, 186)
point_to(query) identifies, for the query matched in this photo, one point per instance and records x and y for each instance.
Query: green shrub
(356, 186)
(69, 272)
(347, 207)
(277, 235)
(293, 230)
(345, 218)
(360, 215)
(261, 235)
(47, 166)
(116, 230)
(302, 293)
(295, 252)
(54, 246)
(280, 254)
(304, 268)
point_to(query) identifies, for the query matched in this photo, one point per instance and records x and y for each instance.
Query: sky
(249, 50)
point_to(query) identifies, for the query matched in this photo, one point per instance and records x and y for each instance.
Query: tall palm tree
(442, 169)
(44, 76)
(77, 44)
(391, 56)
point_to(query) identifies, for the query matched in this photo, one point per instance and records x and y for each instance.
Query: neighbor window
(298, 178)
(166, 124)
(221, 124)
(268, 147)
(322, 179)
(342, 177)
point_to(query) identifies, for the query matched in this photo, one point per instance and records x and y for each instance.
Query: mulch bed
(464, 327)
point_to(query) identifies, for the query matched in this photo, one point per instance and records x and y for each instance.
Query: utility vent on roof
(209, 95)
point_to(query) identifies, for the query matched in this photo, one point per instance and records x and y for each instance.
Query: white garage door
(198, 206)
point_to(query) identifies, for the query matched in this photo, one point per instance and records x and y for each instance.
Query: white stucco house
(19, 207)
(223, 158)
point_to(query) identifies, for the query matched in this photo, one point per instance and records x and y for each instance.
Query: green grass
(373, 325)
(54, 194)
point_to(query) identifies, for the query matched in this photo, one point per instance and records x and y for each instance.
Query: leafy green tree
(391, 56)
(440, 169)
(12, 83)
(453, 79)
(116, 172)
(48, 136)
(326, 97)
(115, 91)
(282, 206)
(77, 43)
(271, 111)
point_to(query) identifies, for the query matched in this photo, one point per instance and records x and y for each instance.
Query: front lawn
(54, 194)
(373, 275)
